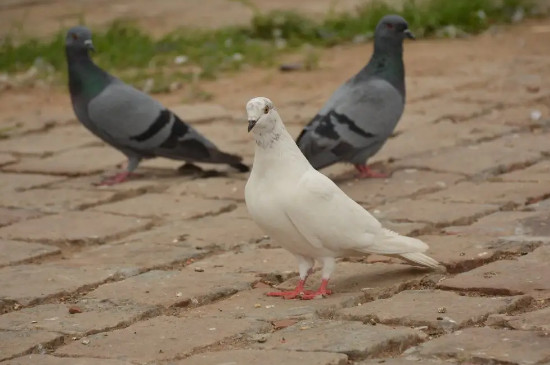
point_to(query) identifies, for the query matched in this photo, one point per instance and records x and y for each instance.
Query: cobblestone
(439, 213)
(502, 193)
(402, 183)
(487, 344)
(16, 343)
(11, 215)
(46, 143)
(163, 205)
(354, 339)
(56, 200)
(54, 360)
(254, 304)
(486, 157)
(90, 316)
(174, 288)
(446, 311)
(526, 275)
(85, 227)
(167, 337)
(30, 284)
(266, 357)
(14, 252)
(71, 163)
(532, 321)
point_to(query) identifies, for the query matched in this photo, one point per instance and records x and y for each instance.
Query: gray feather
(128, 119)
(361, 115)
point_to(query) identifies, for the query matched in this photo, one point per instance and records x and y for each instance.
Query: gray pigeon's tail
(185, 143)
(217, 156)
(241, 167)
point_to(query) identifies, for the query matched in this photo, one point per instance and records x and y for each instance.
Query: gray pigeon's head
(79, 38)
(392, 29)
(259, 114)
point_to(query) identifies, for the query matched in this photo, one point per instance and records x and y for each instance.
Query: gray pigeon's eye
(266, 109)
(75, 37)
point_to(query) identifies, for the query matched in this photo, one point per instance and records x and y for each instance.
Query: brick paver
(266, 357)
(436, 309)
(169, 268)
(355, 339)
(166, 336)
(489, 345)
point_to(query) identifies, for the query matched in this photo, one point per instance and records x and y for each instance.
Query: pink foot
(320, 293)
(292, 294)
(367, 172)
(117, 179)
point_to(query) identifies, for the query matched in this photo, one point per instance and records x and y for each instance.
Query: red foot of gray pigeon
(366, 172)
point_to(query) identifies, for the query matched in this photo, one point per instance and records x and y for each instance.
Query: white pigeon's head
(261, 116)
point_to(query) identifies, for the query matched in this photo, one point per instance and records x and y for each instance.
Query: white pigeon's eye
(266, 109)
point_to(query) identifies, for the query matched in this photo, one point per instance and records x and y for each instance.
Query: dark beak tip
(251, 124)
(409, 34)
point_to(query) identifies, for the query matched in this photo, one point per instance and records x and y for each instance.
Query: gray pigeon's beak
(89, 44)
(409, 34)
(251, 124)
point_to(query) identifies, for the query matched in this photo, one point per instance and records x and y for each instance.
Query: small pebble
(85, 341)
(441, 310)
(74, 310)
(199, 269)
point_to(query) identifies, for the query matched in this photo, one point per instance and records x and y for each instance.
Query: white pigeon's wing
(327, 217)
(332, 221)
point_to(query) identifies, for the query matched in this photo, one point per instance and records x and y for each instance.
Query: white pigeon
(305, 212)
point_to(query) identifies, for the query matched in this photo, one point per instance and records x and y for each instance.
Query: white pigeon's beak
(251, 124)
(88, 43)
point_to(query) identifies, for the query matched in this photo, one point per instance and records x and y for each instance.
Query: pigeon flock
(302, 209)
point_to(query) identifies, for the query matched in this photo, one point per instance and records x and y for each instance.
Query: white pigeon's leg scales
(305, 268)
(322, 292)
(297, 292)
(366, 172)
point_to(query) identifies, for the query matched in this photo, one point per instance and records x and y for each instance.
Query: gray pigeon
(362, 114)
(128, 119)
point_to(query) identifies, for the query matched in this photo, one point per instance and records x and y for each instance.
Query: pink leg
(117, 179)
(321, 292)
(298, 291)
(367, 172)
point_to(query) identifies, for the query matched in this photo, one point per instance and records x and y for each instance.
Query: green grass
(128, 51)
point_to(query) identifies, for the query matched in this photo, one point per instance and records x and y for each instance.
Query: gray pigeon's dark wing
(133, 121)
(353, 124)
(129, 118)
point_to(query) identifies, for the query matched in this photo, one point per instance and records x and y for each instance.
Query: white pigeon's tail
(421, 259)
(410, 249)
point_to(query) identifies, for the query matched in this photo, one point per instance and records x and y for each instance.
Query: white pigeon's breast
(267, 211)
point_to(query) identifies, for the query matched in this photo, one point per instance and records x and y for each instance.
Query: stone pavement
(170, 269)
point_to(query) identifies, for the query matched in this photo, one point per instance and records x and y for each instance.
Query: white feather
(303, 210)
